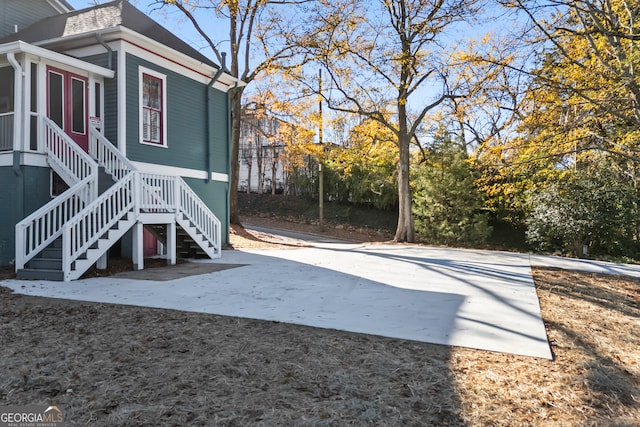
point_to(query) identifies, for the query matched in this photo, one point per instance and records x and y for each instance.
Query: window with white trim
(153, 108)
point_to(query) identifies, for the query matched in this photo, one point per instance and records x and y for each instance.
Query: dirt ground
(114, 365)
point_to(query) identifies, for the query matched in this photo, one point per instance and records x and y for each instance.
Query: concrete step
(40, 274)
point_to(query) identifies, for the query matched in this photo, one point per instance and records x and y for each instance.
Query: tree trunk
(405, 231)
(235, 99)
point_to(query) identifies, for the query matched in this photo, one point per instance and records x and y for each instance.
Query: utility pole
(321, 163)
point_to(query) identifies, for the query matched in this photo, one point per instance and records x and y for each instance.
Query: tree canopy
(532, 110)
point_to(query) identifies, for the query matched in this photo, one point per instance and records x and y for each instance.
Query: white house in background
(262, 145)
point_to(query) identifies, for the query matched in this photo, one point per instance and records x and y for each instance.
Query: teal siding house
(114, 140)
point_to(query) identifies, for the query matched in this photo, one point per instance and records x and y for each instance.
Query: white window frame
(163, 78)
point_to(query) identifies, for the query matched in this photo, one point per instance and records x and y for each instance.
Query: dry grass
(129, 366)
(592, 325)
(339, 231)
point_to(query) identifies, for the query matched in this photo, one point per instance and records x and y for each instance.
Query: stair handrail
(158, 193)
(200, 215)
(117, 164)
(107, 155)
(95, 220)
(66, 157)
(38, 230)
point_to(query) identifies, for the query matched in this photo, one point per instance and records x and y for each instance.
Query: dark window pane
(33, 136)
(6, 89)
(55, 99)
(152, 92)
(78, 113)
(34, 87)
(6, 132)
(98, 100)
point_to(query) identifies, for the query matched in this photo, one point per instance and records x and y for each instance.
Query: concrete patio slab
(469, 298)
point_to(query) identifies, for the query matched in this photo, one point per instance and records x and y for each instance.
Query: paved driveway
(470, 298)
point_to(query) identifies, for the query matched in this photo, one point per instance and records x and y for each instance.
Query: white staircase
(64, 238)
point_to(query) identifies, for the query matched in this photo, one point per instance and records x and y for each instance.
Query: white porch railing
(65, 156)
(108, 156)
(43, 226)
(194, 209)
(138, 192)
(38, 230)
(95, 221)
(159, 193)
(86, 220)
(170, 194)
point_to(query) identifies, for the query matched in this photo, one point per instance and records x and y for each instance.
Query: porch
(40, 82)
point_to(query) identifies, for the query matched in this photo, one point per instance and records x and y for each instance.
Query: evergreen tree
(447, 206)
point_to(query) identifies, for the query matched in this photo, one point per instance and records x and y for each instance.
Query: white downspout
(17, 170)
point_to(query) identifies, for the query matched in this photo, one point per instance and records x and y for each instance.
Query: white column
(137, 250)
(101, 264)
(171, 243)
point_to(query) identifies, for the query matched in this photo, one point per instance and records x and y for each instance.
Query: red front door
(67, 95)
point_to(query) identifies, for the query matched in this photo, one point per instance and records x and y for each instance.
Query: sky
(172, 19)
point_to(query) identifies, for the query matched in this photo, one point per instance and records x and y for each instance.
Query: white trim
(29, 61)
(122, 100)
(92, 100)
(6, 158)
(178, 171)
(85, 105)
(157, 218)
(164, 138)
(18, 116)
(20, 46)
(84, 51)
(27, 159)
(217, 176)
(176, 62)
(153, 51)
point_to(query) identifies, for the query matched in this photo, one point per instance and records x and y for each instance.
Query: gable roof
(94, 19)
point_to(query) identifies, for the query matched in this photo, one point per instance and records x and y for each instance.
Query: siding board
(36, 195)
(22, 13)
(186, 122)
(187, 133)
